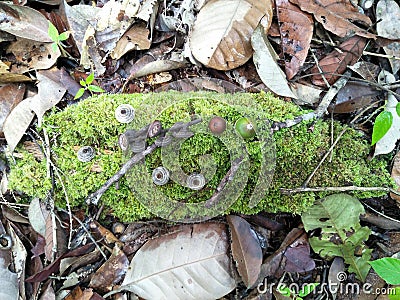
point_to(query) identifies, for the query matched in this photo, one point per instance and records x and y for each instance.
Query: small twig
(336, 189)
(320, 110)
(95, 197)
(227, 178)
(320, 70)
(381, 55)
(381, 214)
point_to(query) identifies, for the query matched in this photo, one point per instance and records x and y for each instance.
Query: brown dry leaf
(136, 38)
(7, 77)
(306, 94)
(173, 266)
(335, 16)
(24, 22)
(50, 91)
(353, 96)
(17, 122)
(54, 231)
(201, 84)
(10, 95)
(298, 256)
(31, 55)
(273, 265)
(246, 249)
(337, 61)
(388, 14)
(366, 70)
(110, 272)
(296, 30)
(396, 176)
(221, 34)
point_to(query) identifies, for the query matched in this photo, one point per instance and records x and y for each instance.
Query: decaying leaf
(37, 216)
(337, 61)
(136, 38)
(19, 255)
(50, 91)
(31, 55)
(338, 216)
(24, 22)
(306, 94)
(366, 70)
(174, 266)
(335, 16)
(353, 96)
(200, 84)
(220, 38)
(111, 271)
(246, 249)
(264, 58)
(296, 30)
(17, 122)
(388, 14)
(8, 283)
(10, 96)
(56, 241)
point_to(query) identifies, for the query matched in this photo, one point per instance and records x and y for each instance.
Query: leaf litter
(141, 46)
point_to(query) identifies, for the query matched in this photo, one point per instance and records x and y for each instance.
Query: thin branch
(336, 189)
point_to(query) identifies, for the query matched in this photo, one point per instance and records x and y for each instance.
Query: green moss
(298, 151)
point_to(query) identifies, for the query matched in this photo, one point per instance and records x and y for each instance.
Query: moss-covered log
(298, 150)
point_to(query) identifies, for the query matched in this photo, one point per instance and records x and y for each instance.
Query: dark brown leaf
(296, 30)
(353, 96)
(110, 272)
(10, 95)
(246, 249)
(396, 176)
(335, 16)
(336, 61)
(298, 257)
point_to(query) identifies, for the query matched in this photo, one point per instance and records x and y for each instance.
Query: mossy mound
(298, 151)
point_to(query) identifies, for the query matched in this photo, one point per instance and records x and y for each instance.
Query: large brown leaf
(335, 16)
(24, 22)
(189, 263)
(296, 30)
(221, 33)
(246, 249)
(336, 61)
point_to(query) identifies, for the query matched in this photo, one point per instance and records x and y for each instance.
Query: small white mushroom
(85, 154)
(195, 181)
(160, 175)
(125, 113)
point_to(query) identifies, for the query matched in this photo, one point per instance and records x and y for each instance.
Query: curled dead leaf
(221, 34)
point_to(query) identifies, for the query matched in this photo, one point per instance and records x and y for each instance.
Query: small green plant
(87, 86)
(292, 294)
(57, 38)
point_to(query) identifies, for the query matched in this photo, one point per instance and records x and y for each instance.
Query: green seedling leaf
(307, 289)
(53, 32)
(338, 217)
(82, 83)
(63, 36)
(382, 124)
(89, 79)
(95, 88)
(388, 269)
(54, 47)
(398, 109)
(80, 93)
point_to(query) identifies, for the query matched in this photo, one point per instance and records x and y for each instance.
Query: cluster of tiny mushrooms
(135, 140)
